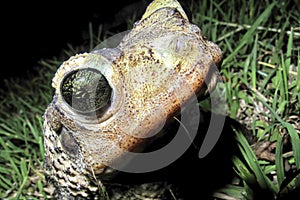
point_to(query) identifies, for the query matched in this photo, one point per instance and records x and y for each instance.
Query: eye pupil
(86, 90)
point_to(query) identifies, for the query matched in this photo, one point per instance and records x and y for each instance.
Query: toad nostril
(68, 142)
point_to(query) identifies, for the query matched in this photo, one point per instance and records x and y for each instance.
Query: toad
(108, 102)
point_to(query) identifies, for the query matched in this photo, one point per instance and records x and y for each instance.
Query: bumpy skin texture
(154, 71)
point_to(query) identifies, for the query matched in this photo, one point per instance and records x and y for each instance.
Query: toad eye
(86, 90)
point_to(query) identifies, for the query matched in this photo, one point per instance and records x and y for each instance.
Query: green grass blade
(24, 170)
(268, 79)
(249, 34)
(291, 130)
(297, 90)
(232, 192)
(5, 183)
(284, 81)
(6, 156)
(24, 181)
(253, 63)
(263, 181)
(295, 143)
(242, 170)
(290, 184)
(289, 49)
(279, 160)
(41, 145)
(8, 131)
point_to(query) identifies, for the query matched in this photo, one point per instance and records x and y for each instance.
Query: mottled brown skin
(153, 72)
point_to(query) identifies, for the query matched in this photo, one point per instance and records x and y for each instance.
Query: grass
(261, 45)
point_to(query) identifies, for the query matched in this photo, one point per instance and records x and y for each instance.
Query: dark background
(41, 31)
